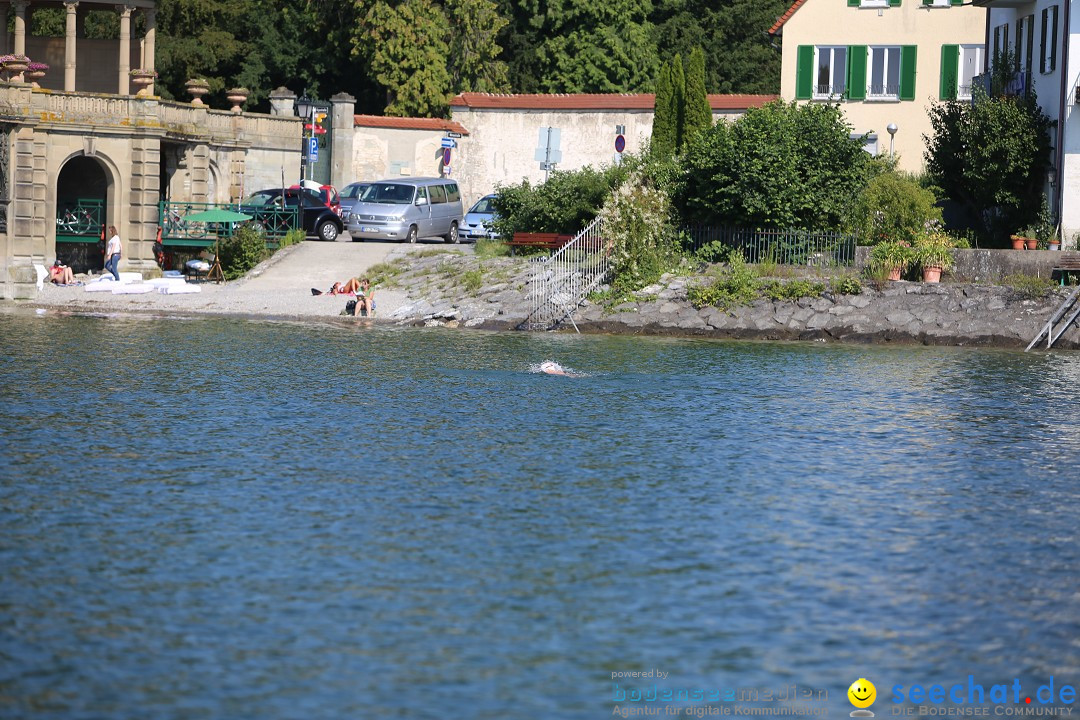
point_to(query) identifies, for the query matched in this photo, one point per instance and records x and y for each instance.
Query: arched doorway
(81, 192)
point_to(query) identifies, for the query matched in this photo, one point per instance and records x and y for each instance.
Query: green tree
(893, 207)
(665, 115)
(697, 113)
(565, 203)
(473, 60)
(779, 166)
(579, 45)
(991, 156)
(678, 102)
(409, 56)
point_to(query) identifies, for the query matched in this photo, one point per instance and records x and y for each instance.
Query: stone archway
(82, 188)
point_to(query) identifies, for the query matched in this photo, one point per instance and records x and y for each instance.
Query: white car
(478, 220)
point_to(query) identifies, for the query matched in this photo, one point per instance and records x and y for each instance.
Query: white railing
(558, 283)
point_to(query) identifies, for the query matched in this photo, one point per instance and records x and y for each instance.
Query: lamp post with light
(305, 109)
(892, 136)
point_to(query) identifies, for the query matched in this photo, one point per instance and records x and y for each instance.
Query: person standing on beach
(112, 253)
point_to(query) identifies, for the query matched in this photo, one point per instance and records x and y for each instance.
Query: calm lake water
(215, 518)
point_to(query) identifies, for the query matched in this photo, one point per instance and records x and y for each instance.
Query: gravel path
(279, 288)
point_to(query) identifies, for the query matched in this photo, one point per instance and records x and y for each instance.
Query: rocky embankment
(436, 287)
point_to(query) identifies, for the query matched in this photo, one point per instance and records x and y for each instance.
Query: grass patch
(1029, 287)
(385, 274)
(488, 248)
(473, 279)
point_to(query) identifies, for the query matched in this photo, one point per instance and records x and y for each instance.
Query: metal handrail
(562, 280)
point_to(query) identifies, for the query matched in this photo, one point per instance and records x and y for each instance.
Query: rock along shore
(451, 287)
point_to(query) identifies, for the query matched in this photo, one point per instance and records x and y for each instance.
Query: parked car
(269, 207)
(349, 195)
(328, 193)
(478, 220)
(408, 209)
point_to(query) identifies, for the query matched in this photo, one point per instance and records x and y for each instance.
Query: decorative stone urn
(35, 71)
(197, 87)
(14, 66)
(144, 79)
(237, 96)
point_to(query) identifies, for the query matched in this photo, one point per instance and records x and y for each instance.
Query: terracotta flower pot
(1018, 242)
(894, 273)
(1032, 243)
(931, 273)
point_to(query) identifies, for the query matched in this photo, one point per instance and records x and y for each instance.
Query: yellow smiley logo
(862, 693)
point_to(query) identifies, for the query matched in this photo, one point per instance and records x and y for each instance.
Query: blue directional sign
(313, 149)
(449, 142)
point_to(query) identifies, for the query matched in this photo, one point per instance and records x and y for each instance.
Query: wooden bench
(1067, 264)
(546, 241)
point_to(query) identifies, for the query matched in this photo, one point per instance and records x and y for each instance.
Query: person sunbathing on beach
(349, 287)
(61, 274)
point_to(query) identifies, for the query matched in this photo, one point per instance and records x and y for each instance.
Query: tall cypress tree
(664, 115)
(678, 100)
(697, 114)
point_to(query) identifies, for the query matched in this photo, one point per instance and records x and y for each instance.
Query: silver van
(407, 209)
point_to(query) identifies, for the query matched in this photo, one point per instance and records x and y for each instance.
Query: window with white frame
(884, 73)
(830, 79)
(1025, 37)
(971, 63)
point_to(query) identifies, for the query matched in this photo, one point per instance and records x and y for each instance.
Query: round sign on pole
(446, 156)
(620, 143)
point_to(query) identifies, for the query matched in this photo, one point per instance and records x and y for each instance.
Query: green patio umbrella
(216, 216)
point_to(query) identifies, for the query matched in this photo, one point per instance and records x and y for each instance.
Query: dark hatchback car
(275, 215)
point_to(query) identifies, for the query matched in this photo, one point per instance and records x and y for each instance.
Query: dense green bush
(893, 207)
(991, 157)
(241, 252)
(565, 203)
(779, 166)
(637, 222)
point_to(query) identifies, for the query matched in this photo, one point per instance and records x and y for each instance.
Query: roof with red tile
(403, 123)
(586, 101)
(784, 18)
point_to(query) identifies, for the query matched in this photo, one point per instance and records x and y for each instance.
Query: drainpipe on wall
(1059, 171)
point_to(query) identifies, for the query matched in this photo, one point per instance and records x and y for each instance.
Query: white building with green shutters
(885, 61)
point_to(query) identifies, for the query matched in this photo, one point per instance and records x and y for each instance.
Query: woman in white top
(112, 253)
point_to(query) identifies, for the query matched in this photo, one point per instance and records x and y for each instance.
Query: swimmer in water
(552, 368)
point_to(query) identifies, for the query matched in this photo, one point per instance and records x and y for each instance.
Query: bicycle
(176, 225)
(77, 222)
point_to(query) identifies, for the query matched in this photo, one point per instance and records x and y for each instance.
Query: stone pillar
(26, 215)
(149, 42)
(125, 49)
(70, 45)
(198, 162)
(283, 102)
(144, 194)
(20, 31)
(343, 119)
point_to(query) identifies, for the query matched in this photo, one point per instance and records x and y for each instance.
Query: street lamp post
(892, 136)
(305, 108)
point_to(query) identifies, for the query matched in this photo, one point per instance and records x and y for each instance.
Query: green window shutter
(956, 2)
(907, 71)
(853, 3)
(1042, 55)
(1053, 37)
(856, 74)
(927, 2)
(894, 3)
(950, 70)
(804, 72)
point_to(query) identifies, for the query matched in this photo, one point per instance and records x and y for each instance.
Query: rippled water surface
(229, 519)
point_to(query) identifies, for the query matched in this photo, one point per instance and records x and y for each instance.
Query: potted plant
(14, 65)
(1025, 239)
(35, 71)
(933, 253)
(144, 78)
(894, 255)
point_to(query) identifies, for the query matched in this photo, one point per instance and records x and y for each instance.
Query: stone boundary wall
(961, 314)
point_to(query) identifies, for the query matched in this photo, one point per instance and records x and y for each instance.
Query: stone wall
(907, 312)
